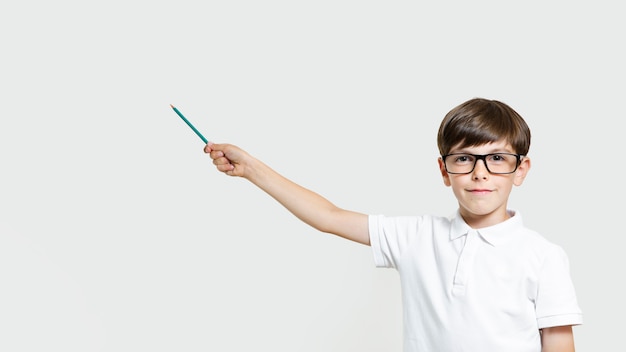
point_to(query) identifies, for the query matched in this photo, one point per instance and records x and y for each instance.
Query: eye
(463, 159)
(499, 158)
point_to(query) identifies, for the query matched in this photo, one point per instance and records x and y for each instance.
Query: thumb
(208, 147)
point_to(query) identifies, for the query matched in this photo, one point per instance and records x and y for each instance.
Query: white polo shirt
(478, 290)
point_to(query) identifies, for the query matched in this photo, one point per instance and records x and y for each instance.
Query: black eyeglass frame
(482, 157)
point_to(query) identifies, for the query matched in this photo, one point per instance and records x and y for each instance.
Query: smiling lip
(479, 191)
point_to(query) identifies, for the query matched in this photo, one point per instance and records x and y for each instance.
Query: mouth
(479, 191)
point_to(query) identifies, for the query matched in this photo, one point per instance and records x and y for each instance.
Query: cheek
(457, 183)
(506, 185)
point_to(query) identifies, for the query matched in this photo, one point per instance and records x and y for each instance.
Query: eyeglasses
(497, 163)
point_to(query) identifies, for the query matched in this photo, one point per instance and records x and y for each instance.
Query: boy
(478, 282)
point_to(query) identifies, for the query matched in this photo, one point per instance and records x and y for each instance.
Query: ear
(444, 173)
(522, 171)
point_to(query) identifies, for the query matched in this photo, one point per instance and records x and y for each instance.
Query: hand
(228, 158)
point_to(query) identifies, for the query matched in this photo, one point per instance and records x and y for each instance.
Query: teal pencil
(190, 125)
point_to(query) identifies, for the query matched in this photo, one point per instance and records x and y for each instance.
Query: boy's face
(483, 196)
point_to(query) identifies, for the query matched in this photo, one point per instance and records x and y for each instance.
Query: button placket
(465, 263)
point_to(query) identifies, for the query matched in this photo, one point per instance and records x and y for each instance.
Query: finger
(221, 161)
(216, 154)
(225, 168)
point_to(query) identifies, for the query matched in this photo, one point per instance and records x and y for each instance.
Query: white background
(117, 234)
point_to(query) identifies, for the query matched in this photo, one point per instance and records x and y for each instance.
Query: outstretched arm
(307, 205)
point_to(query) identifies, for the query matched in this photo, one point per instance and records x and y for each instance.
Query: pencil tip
(172, 106)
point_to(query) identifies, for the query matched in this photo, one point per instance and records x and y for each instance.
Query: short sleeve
(376, 232)
(389, 237)
(556, 303)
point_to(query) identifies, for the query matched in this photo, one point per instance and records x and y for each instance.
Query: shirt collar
(495, 235)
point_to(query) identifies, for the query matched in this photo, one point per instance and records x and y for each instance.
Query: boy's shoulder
(512, 231)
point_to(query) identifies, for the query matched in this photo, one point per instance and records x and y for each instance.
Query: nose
(480, 170)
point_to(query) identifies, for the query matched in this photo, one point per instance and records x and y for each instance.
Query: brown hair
(480, 121)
